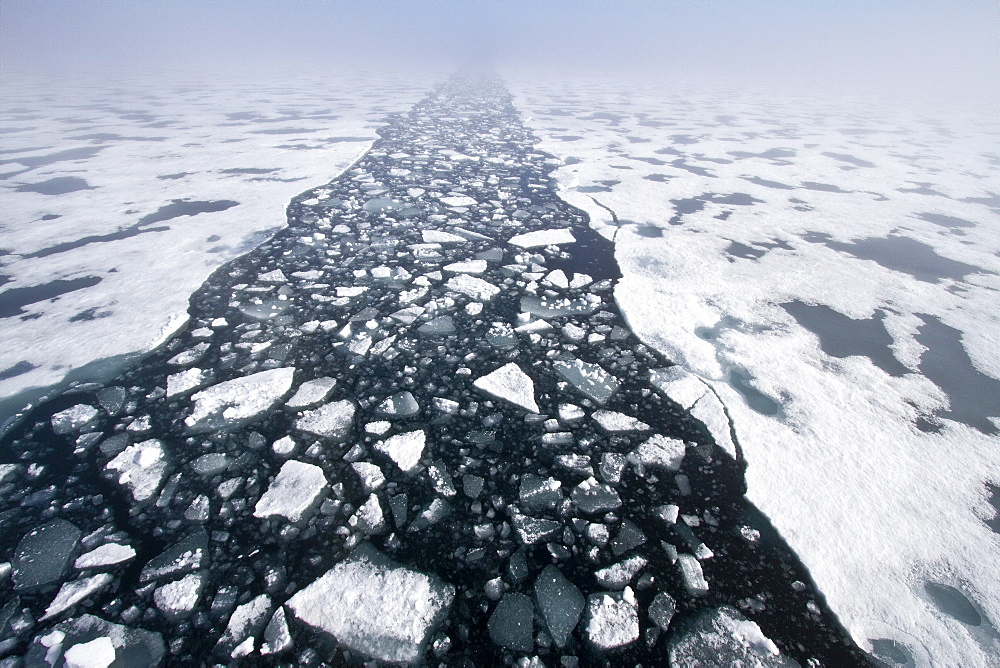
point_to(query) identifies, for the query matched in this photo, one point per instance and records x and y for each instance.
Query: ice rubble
(374, 606)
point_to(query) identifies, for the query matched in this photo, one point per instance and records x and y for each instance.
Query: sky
(944, 49)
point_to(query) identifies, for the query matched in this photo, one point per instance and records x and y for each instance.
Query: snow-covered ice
(374, 606)
(234, 402)
(296, 489)
(405, 450)
(510, 383)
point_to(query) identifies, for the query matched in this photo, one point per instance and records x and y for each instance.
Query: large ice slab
(472, 286)
(311, 393)
(553, 237)
(235, 402)
(296, 489)
(677, 384)
(140, 468)
(374, 606)
(511, 384)
(333, 420)
(590, 379)
(723, 636)
(560, 602)
(44, 553)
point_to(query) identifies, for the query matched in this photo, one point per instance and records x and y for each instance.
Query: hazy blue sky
(952, 48)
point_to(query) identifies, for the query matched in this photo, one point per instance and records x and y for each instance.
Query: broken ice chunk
(73, 419)
(369, 518)
(554, 237)
(557, 279)
(545, 307)
(540, 493)
(297, 489)
(678, 385)
(590, 379)
(276, 276)
(510, 383)
(629, 536)
(612, 465)
(445, 405)
(576, 463)
(211, 464)
(43, 554)
(723, 636)
(472, 286)
(440, 326)
(401, 404)
(472, 485)
(660, 452)
(404, 449)
(311, 393)
(458, 200)
(692, 575)
(74, 592)
(246, 622)
(177, 600)
(408, 315)
(182, 382)
(467, 267)
(661, 610)
(532, 530)
(277, 637)
(614, 422)
(592, 497)
(612, 619)
(98, 653)
(560, 602)
(379, 427)
(617, 576)
(109, 554)
(141, 468)
(570, 412)
(440, 237)
(371, 475)
(333, 421)
(441, 479)
(190, 554)
(374, 606)
(235, 402)
(512, 623)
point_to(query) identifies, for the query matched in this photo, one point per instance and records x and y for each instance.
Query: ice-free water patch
(972, 395)
(900, 254)
(57, 186)
(842, 336)
(953, 602)
(12, 301)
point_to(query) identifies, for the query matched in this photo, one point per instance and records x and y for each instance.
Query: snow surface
(141, 144)
(405, 449)
(722, 200)
(374, 606)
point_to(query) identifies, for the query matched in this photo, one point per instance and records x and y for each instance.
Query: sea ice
(612, 619)
(43, 554)
(617, 576)
(108, 554)
(467, 267)
(554, 237)
(182, 382)
(311, 393)
(560, 603)
(692, 575)
(333, 421)
(472, 286)
(592, 497)
(178, 599)
(74, 592)
(615, 423)
(590, 379)
(73, 419)
(98, 653)
(678, 385)
(235, 402)
(401, 404)
(188, 554)
(723, 636)
(660, 452)
(512, 623)
(296, 489)
(404, 449)
(140, 468)
(374, 606)
(510, 383)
